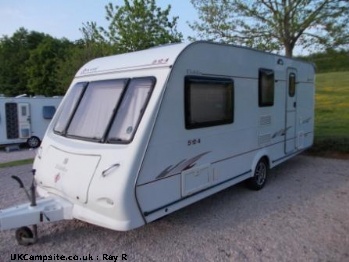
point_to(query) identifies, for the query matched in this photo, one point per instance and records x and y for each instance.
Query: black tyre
(24, 236)
(33, 142)
(259, 178)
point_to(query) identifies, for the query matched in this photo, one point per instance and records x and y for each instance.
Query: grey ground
(16, 155)
(301, 215)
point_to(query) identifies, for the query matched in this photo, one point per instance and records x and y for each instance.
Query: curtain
(131, 109)
(96, 109)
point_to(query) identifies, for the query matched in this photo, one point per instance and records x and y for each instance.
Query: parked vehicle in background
(25, 119)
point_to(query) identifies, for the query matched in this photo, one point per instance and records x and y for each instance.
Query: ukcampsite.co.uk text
(56, 257)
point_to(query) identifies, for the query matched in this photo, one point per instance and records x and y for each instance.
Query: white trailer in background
(143, 134)
(25, 119)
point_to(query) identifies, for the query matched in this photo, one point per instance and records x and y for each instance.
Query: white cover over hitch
(48, 209)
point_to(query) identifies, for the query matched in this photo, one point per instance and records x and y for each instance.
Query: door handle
(294, 104)
(108, 170)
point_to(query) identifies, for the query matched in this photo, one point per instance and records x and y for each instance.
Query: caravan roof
(154, 57)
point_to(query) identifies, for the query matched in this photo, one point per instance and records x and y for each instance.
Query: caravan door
(24, 120)
(291, 110)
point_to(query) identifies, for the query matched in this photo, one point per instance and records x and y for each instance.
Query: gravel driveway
(301, 215)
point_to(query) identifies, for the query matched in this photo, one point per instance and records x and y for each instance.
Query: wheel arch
(260, 155)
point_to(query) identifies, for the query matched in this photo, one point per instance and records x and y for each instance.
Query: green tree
(42, 66)
(137, 25)
(273, 25)
(76, 56)
(329, 61)
(82, 51)
(30, 63)
(14, 51)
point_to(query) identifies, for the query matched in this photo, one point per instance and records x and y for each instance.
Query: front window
(131, 109)
(69, 105)
(104, 111)
(95, 109)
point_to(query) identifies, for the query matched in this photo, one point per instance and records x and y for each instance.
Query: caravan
(25, 119)
(141, 135)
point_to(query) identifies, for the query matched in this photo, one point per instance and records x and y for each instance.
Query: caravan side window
(48, 112)
(292, 84)
(266, 87)
(208, 101)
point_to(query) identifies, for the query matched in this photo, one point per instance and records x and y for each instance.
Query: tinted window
(266, 87)
(48, 112)
(292, 84)
(208, 101)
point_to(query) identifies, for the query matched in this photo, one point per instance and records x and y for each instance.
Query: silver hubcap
(261, 173)
(33, 142)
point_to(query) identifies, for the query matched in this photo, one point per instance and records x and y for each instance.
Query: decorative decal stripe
(281, 132)
(181, 166)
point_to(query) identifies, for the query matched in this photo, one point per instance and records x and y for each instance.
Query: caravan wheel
(259, 178)
(24, 236)
(33, 142)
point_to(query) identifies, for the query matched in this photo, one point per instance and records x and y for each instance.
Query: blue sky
(63, 18)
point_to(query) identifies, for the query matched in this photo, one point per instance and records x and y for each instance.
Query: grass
(17, 163)
(332, 112)
(332, 105)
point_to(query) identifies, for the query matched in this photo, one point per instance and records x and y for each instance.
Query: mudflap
(48, 209)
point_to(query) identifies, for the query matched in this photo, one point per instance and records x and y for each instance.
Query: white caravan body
(140, 135)
(23, 118)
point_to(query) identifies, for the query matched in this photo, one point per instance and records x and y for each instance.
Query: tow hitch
(37, 211)
(24, 235)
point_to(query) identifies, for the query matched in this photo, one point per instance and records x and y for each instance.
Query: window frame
(140, 116)
(48, 112)
(80, 95)
(188, 80)
(262, 74)
(63, 108)
(72, 133)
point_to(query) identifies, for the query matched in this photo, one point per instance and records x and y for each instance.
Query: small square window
(48, 112)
